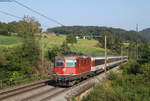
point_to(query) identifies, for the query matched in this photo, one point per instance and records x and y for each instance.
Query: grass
(87, 49)
(82, 46)
(52, 40)
(25, 80)
(9, 40)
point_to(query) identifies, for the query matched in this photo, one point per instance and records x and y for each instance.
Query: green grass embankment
(52, 40)
(82, 46)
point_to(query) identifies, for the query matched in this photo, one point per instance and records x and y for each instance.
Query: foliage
(58, 51)
(145, 55)
(123, 87)
(21, 61)
(28, 24)
(64, 48)
(146, 34)
(71, 39)
(53, 52)
(12, 79)
(114, 42)
(8, 40)
(2, 59)
(95, 30)
(23, 58)
(19, 27)
(132, 67)
(131, 85)
(115, 36)
(3, 29)
(15, 76)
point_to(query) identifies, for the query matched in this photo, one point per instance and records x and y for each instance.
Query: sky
(123, 14)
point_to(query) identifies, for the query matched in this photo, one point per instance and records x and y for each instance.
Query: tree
(58, 51)
(113, 42)
(20, 26)
(96, 30)
(71, 39)
(13, 27)
(3, 29)
(25, 58)
(30, 47)
(145, 55)
(64, 48)
(53, 52)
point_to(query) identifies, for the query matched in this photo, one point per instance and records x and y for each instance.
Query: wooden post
(105, 52)
(42, 54)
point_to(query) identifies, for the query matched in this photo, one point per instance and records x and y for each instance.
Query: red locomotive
(69, 70)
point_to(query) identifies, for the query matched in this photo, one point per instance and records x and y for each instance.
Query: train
(69, 70)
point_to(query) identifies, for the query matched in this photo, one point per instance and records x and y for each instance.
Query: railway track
(11, 92)
(44, 91)
(39, 91)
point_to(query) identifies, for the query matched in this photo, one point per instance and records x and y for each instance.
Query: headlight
(64, 69)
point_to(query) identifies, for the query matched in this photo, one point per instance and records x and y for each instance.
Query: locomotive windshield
(59, 63)
(71, 63)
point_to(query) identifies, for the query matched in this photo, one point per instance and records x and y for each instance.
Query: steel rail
(21, 89)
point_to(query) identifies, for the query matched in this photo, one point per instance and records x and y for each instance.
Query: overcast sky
(123, 14)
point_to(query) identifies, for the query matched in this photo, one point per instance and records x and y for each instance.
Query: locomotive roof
(71, 57)
(93, 57)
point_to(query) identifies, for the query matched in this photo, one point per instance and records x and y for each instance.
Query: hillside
(52, 40)
(95, 30)
(145, 33)
(7, 40)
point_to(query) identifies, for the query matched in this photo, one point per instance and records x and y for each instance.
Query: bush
(145, 56)
(145, 71)
(2, 59)
(58, 51)
(15, 76)
(71, 39)
(132, 67)
(122, 88)
(112, 76)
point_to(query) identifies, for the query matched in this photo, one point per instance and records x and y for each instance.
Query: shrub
(58, 51)
(71, 39)
(112, 76)
(15, 77)
(132, 67)
(2, 59)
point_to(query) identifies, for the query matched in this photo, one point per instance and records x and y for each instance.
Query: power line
(17, 17)
(38, 12)
(10, 15)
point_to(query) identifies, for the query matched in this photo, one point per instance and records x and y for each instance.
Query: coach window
(85, 61)
(82, 62)
(59, 63)
(71, 63)
(88, 61)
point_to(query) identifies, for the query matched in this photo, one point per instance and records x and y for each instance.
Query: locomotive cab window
(59, 63)
(71, 63)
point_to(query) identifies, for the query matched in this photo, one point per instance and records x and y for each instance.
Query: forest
(132, 36)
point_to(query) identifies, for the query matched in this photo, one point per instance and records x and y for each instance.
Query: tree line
(95, 30)
(115, 37)
(16, 27)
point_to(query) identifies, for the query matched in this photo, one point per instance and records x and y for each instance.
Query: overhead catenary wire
(46, 17)
(18, 17)
(10, 15)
